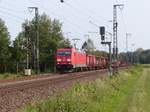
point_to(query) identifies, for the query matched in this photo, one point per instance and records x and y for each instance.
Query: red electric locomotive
(69, 59)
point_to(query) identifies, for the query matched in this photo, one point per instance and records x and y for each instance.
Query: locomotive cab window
(64, 54)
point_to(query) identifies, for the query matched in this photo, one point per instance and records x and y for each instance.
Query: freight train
(72, 60)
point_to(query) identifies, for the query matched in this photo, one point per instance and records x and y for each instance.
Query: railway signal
(102, 33)
(62, 1)
(105, 42)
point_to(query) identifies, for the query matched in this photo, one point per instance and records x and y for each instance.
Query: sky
(81, 18)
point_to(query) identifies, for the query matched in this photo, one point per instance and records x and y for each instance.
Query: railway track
(11, 86)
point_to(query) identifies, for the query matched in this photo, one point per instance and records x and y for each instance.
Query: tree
(50, 38)
(139, 50)
(100, 53)
(65, 44)
(4, 47)
(19, 51)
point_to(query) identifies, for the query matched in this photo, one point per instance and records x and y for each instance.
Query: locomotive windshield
(64, 54)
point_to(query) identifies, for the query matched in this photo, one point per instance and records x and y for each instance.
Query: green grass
(9, 76)
(139, 98)
(106, 95)
(146, 65)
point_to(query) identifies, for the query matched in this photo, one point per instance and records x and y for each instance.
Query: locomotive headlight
(69, 60)
(58, 60)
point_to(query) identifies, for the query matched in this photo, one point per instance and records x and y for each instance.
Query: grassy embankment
(9, 76)
(108, 95)
(139, 98)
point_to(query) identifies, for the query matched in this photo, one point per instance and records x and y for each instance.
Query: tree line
(13, 54)
(140, 56)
